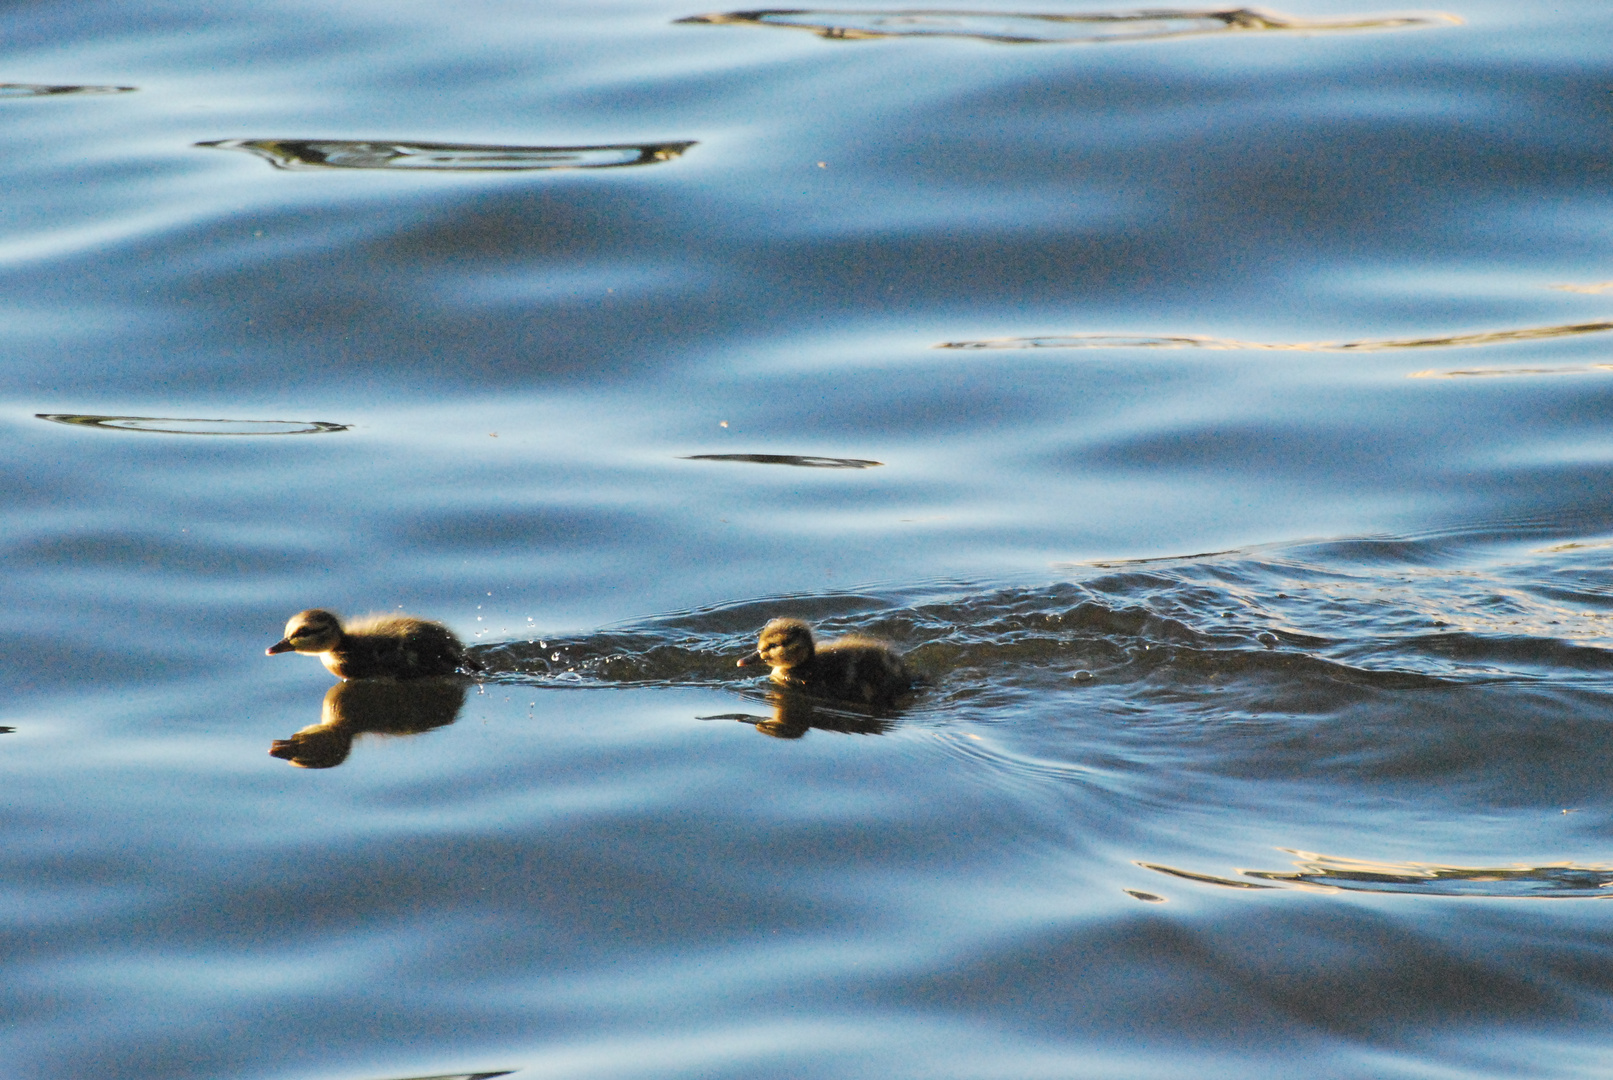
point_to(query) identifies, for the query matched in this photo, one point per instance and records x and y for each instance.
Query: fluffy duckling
(856, 669)
(395, 646)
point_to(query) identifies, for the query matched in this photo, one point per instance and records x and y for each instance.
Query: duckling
(395, 646)
(856, 669)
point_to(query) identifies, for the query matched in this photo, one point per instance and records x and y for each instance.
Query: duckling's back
(396, 646)
(857, 669)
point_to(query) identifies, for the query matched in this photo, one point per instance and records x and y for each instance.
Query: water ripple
(183, 426)
(1200, 341)
(1564, 880)
(1027, 28)
(410, 156)
(1322, 615)
(21, 90)
(800, 460)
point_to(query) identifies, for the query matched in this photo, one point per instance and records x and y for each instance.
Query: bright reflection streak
(1201, 341)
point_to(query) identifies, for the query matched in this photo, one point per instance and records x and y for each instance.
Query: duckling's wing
(404, 646)
(429, 649)
(860, 669)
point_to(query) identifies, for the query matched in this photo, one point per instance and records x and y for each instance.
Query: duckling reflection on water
(794, 716)
(382, 706)
(859, 669)
(376, 646)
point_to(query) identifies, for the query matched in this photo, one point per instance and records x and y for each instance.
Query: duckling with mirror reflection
(794, 716)
(381, 706)
(855, 669)
(376, 646)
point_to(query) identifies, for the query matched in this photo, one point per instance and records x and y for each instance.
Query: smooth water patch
(622, 855)
(167, 425)
(446, 157)
(1026, 28)
(21, 90)
(1201, 341)
(800, 460)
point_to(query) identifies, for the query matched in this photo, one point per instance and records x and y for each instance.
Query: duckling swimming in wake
(376, 646)
(857, 669)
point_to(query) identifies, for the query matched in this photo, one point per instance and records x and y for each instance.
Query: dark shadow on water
(795, 715)
(1331, 874)
(465, 1076)
(1031, 28)
(372, 706)
(21, 90)
(412, 156)
(167, 425)
(802, 461)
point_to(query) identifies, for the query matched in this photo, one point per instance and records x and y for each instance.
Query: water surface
(1249, 530)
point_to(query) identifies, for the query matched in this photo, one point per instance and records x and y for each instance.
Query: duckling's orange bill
(744, 661)
(283, 645)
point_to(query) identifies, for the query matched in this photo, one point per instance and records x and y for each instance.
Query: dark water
(1213, 403)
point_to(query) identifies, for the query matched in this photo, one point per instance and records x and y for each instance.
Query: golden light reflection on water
(1575, 546)
(1332, 874)
(1499, 373)
(1032, 28)
(1593, 287)
(1337, 874)
(1201, 341)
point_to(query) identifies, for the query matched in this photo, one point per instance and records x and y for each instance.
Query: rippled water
(1213, 404)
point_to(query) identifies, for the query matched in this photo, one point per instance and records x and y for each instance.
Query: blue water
(1251, 540)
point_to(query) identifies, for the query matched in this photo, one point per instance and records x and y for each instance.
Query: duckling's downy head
(785, 643)
(312, 631)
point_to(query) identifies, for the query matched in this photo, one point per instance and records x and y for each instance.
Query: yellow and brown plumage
(860, 669)
(376, 646)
